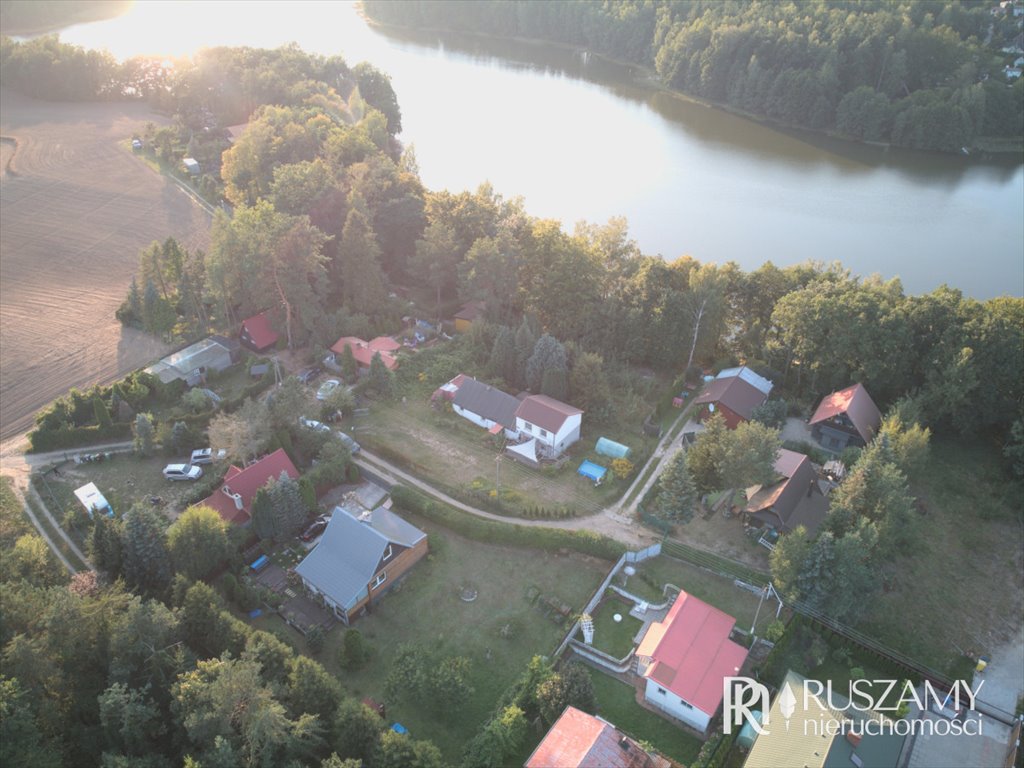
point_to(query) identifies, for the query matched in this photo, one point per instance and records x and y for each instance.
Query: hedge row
(76, 437)
(493, 532)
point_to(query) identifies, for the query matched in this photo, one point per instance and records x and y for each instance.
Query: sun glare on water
(160, 28)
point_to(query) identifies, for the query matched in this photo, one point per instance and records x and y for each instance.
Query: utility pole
(497, 467)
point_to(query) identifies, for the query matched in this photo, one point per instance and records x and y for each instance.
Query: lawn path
(16, 488)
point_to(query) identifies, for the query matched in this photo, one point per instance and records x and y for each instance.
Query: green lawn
(615, 638)
(961, 585)
(716, 590)
(616, 703)
(426, 610)
(454, 454)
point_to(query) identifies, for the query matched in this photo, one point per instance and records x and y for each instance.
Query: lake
(579, 137)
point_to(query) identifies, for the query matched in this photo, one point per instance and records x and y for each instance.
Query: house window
(543, 433)
(381, 578)
(387, 553)
(686, 704)
(661, 691)
(528, 425)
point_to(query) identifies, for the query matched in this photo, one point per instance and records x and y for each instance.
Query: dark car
(307, 375)
(315, 529)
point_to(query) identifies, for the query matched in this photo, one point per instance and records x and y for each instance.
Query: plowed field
(75, 210)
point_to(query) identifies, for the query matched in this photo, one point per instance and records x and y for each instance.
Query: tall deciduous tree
(436, 259)
(198, 542)
(242, 434)
(571, 686)
(588, 384)
(357, 264)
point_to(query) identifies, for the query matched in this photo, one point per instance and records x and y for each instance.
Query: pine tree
(349, 369)
(144, 434)
(288, 507)
(554, 383)
(101, 412)
(358, 264)
(147, 563)
(264, 521)
(677, 498)
(381, 379)
(503, 356)
(525, 341)
(548, 353)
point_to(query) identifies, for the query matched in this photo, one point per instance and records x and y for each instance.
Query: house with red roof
(233, 500)
(363, 351)
(734, 393)
(579, 740)
(686, 658)
(844, 418)
(553, 424)
(542, 426)
(794, 499)
(256, 333)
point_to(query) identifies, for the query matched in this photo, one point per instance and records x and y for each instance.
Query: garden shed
(607, 447)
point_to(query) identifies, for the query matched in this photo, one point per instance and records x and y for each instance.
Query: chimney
(364, 516)
(238, 501)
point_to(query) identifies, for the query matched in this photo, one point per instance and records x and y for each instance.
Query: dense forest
(917, 74)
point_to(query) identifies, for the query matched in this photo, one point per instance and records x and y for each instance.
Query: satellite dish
(711, 407)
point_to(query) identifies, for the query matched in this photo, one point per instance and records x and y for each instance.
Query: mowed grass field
(426, 611)
(75, 210)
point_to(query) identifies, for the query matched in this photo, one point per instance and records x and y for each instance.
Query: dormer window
(387, 553)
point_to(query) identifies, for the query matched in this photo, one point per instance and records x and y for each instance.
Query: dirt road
(75, 210)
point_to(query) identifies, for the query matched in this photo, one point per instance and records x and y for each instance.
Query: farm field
(75, 210)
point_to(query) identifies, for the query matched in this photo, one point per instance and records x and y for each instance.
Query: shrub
(355, 651)
(77, 437)
(775, 631)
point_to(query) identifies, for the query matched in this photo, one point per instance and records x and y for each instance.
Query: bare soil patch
(75, 210)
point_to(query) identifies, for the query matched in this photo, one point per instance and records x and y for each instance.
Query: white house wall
(482, 422)
(667, 701)
(569, 433)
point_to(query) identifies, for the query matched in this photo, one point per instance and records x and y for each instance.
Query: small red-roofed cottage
(363, 351)
(579, 740)
(686, 658)
(233, 500)
(846, 417)
(734, 394)
(256, 333)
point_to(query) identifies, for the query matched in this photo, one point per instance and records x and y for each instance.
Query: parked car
(306, 375)
(182, 472)
(319, 426)
(326, 388)
(315, 529)
(206, 456)
(352, 445)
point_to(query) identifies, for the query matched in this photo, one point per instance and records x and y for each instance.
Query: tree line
(917, 74)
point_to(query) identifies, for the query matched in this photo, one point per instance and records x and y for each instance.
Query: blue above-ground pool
(399, 728)
(591, 470)
(260, 562)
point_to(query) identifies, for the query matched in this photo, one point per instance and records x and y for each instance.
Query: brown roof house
(359, 558)
(734, 393)
(542, 426)
(579, 740)
(794, 499)
(847, 417)
(469, 314)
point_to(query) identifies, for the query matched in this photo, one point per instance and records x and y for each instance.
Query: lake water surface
(583, 138)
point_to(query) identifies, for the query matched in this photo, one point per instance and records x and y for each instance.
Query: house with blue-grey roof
(359, 558)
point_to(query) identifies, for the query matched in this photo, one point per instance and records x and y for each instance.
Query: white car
(182, 472)
(326, 388)
(319, 426)
(206, 456)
